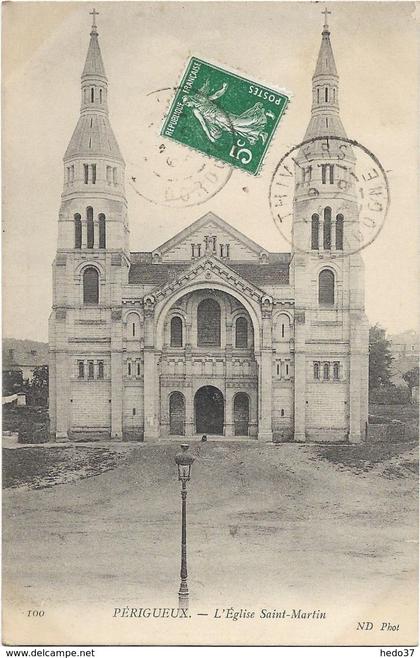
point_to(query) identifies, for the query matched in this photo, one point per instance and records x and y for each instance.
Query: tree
(380, 358)
(38, 389)
(411, 377)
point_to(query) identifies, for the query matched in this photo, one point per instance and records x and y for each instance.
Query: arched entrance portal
(209, 408)
(176, 413)
(241, 414)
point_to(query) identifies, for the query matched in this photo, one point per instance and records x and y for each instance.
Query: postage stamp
(166, 173)
(224, 115)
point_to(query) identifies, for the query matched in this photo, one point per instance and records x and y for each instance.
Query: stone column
(229, 426)
(52, 388)
(321, 234)
(265, 379)
(300, 377)
(63, 396)
(84, 233)
(189, 402)
(151, 378)
(117, 384)
(333, 224)
(355, 379)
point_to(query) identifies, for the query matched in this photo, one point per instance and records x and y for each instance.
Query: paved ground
(289, 525)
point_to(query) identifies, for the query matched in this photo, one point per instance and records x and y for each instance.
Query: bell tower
(91, 264)
(331, 330)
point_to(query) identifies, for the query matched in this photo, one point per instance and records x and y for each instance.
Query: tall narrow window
(327, 228)
(326, 373)
(114, 176)
(315, 232)
(138, 369)
(339, 231)
(91, 371)
(100, 95)
(176, 332)
(282, 329)
(326, 94)
(317, 95)
(306, 174)
(90, 286)
(287, 368)
(336, 371)
(90, 227)
(241, 332)
(86, 173)
(77, 231)
(334, 95)
(81, 369)
(316, 370)
(133, 329)
(92, 94)
(326, 288)
(100, 369)
(208, 323)
(331, 167)
(72, 174)
(129, 368)
(102, 231)
(94, 174)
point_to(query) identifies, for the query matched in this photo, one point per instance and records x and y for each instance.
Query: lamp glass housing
(184, 472)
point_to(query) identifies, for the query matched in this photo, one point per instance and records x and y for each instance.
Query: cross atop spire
(94, 14)
(326, 12)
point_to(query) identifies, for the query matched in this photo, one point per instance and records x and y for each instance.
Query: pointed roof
(93, 137)
(325, 64)
(210, 217)
(94, 65)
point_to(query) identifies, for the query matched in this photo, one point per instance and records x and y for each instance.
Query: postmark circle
(167, 173)
(353, 193)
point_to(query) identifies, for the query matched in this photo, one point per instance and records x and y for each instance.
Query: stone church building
(209, 333)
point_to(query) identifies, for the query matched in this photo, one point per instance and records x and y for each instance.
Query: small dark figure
(204, 437)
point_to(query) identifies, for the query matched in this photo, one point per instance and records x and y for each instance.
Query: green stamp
(224, 115)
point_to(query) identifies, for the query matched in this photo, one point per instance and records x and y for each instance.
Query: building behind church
(209, 333)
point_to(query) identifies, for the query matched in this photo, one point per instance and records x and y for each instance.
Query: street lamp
(184, 461)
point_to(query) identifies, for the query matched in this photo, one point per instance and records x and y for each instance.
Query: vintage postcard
(210, 378)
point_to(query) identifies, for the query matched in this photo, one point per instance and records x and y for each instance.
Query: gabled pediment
(209, 270)
(179, 248)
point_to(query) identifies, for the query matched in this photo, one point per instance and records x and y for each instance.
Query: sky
(145, 47)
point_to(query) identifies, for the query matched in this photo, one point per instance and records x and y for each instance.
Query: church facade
(209, 333)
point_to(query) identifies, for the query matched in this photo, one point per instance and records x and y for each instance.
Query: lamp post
(184, 461)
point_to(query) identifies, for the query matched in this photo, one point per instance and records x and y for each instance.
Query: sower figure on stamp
(214, 120)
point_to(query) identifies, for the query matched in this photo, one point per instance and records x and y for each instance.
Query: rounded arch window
(91, 286)
(208, 323)
(326, 370)
(77, 231)
(315, 231)
(339, 231)
(327, 228)
(133, 326)
(241, 332)
(90, 228)
(102, 231)
(176, 331)
(326, 288)
(283, 327)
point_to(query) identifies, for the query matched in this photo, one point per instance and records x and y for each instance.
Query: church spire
(93, 135)
(325, 118)
(94, 65)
